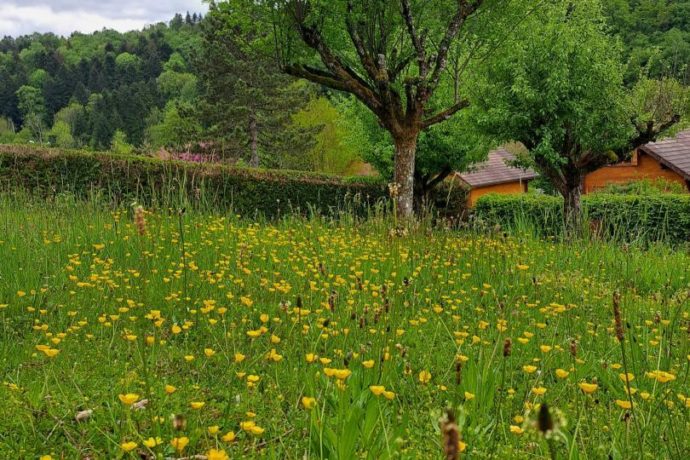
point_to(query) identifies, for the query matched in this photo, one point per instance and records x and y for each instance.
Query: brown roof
(673, 152)
(495, 170)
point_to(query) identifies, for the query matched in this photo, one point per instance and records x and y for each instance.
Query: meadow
(156, 333)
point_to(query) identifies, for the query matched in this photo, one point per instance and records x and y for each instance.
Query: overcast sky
(20, 17)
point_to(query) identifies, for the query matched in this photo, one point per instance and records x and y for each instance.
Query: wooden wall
(641, 167)
(510, 188)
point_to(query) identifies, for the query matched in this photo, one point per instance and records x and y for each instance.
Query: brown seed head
(507, 347)
(545, 422)
(450, 436)
(617, 315)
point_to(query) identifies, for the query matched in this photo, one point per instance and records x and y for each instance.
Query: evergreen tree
(248, 102)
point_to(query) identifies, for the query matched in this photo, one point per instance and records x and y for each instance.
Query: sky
(62, 17)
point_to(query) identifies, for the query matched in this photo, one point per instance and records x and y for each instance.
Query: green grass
(81, 279)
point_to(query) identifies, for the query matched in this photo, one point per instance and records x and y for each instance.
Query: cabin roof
(673, 153)
(496, 170)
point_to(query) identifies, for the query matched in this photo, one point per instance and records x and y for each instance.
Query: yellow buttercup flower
(217, 454)
(129, 446)
(516, 429)
(539, 391)
(50, 352)
(308, 402)
(588, 387)
(152, 442)
(626, 377)
(196, 405)
(129, 398)
(180, 443)
(623, 404)
(562, 373)
(378, 390)
(229, 436)
(529, 368)
(424, 377)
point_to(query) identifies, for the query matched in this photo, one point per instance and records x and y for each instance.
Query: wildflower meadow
(158, 333)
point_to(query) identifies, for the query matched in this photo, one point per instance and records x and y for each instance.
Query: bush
(654, 217)
(127, 178)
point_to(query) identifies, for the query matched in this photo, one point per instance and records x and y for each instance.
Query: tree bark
(425, 184)
(405, 151)
(254, 142)
(572, 203)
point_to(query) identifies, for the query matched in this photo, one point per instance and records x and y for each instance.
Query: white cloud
(66, 16)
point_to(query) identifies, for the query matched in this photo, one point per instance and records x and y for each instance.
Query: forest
(194, 85)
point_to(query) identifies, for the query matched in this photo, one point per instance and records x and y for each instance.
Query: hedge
(658, 217)
(126, 178)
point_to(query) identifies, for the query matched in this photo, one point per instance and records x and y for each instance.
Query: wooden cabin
(668, 159)
(495, 175)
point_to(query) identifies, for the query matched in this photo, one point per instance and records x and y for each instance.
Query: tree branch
(325, 78)
(650, 133)
(440, 177)
(417, 41)
(365, 57)
(445, 114)
(463, 12)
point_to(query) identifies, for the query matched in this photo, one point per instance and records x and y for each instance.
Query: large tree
(560, 92)
(393, 56)
(248, 101)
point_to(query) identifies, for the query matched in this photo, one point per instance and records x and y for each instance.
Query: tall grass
(381, 331)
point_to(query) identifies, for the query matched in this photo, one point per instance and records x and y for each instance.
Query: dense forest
(193, 84)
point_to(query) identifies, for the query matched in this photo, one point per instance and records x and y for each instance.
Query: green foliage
(123, 69)
(60, 135)
(120, 145)
(650, 217)
(655, 101)
(656, 35)
(644, 187)
(331, 153)
(177, 126)
(127, 178)
(178, 85)
(248, 102)
(124, 296)
(6, 131)
(558, 90)
(30, 101)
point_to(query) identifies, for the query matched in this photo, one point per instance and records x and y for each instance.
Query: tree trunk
(424, 185)
(572, 203)
(254, 142)
(405, 150)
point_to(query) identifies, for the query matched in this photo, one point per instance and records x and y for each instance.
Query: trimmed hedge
(126, 178)
(659, 217)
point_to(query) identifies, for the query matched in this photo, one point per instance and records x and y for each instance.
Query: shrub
(126, 178)
(644, 187)
(654, 217)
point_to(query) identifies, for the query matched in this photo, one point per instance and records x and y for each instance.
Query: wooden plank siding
(642, 167)
(509, 188)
